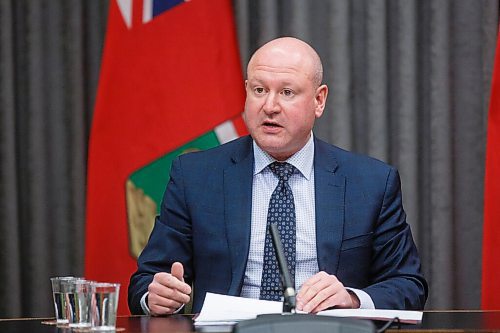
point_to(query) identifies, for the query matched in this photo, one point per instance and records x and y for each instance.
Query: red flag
(170, 81)
(491, 234)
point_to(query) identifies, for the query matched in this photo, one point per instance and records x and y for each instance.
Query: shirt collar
(301, 160)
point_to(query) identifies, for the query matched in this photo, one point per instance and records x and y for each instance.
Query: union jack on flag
(150, 9)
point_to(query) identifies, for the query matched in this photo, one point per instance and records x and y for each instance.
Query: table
(433, 321)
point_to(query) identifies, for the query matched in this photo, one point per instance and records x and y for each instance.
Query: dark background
(409, 84)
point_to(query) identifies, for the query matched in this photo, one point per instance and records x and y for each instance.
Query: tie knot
(282, 170)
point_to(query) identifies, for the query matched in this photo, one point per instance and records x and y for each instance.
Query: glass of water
(104, 303)
(59, 297)
(77, 298)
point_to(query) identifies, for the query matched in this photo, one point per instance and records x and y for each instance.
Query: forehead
(275, 75)
(280, 62)
(279, 75)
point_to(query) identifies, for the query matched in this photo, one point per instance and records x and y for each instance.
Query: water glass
(77, 297)
(104, 303)
(60, 298)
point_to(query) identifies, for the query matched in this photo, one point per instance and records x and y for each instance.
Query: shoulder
(220, 155)
(361, 173)
(350, 163)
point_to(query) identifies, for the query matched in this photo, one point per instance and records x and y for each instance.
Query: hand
(168, 292)
(323, 291)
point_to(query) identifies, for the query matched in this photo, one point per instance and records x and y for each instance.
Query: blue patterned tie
(282, 213)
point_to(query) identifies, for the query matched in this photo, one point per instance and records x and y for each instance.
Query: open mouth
(271, 124)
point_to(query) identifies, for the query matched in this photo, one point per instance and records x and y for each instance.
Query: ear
(320, 99)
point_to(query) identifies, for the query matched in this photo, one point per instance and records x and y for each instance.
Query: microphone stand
(289, 321)
(286, 279)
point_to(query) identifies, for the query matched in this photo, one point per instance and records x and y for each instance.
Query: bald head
(284, 96)
(293, 50)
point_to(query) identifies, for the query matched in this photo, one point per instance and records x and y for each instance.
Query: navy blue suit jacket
(361, 231)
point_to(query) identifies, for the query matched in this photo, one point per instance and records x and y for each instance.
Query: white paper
(410, 317)
(218, 308)
(227, 310)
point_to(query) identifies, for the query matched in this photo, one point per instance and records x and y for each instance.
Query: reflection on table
(442, 321)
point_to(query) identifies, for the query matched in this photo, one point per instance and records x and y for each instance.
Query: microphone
(286, 279)
(289, 321)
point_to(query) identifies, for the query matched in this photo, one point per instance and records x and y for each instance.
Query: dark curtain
(409, 84)
(49, 65)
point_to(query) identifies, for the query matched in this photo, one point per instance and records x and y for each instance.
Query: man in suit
(350, 244)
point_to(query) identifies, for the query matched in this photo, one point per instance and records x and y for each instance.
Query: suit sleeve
(170, 241)
(397, 281)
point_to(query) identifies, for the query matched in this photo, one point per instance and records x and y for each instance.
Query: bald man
(351, 244)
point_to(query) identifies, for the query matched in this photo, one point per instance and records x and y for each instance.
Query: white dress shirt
(302, 185)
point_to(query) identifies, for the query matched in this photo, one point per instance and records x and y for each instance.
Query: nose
(271, 104)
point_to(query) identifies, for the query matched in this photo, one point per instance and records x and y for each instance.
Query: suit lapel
(330, 205)
(237, 211)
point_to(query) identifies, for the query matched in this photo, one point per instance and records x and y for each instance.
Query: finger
(178, 271)
(160, 304)
(170, 281)
(315, 285)
(171, 289)
(314, 279)
(304, 289)
(157, 310)
(323, 294)
(341, 300)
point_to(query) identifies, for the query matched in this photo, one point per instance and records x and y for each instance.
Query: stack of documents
(228, 310)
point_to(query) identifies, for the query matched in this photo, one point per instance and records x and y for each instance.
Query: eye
(287, 92)
(258, 90)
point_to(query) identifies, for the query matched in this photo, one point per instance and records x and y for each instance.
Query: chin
(276, 152)
(270, 146)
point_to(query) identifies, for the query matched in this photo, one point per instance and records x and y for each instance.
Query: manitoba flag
(170, 82)
(490, 299)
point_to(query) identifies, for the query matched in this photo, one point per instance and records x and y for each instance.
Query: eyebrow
(284, 83)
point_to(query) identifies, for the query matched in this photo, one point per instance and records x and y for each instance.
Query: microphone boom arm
(286, 280)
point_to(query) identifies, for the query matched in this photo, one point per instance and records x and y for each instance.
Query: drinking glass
(104, 303)
(77, 297)
(59, 297)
